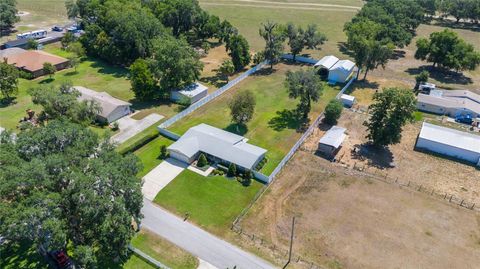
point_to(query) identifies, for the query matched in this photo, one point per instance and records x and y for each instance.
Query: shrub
(232, 170)
(202, 160)
(261, 164)
(247, 178)
(115, 126)
(422, 77)
(333, 111)
(163, 152)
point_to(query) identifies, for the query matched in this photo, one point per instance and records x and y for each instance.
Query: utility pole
(291, 243)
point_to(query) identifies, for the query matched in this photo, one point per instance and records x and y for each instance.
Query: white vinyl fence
(304, 136)
(210, 97)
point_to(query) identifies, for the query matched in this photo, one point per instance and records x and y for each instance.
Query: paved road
(198, 242)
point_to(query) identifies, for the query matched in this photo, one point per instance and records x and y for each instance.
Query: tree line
(156, 39)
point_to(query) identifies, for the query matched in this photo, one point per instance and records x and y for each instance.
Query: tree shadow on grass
(362, 84)
(108, 69)
(46, 81)
(5, 102)
(239, 129)
(287, 119)
(454, 25)
(379, 157)
(265, 71)
(218, 80)
(442, 75)
(342, 47)
(397, 54)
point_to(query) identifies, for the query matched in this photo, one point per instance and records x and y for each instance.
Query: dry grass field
(432, 172)
(347, 221)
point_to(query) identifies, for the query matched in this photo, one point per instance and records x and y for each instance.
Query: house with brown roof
(32, 61)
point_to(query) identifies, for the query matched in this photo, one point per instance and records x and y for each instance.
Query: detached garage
(457, 144)
(193, 92)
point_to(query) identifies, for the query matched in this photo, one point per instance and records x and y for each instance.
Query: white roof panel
(450, 137)
(222, 144)
(344, 66)
(347, 97)
(334, 137)
(193, 89)
(327, 61)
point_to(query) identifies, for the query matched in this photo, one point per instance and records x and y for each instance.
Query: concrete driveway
(130, 127)
(160, 176)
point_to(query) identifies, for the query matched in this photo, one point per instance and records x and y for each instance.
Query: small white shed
(341, 71)
(347, 100)
(332, 140)
(457, 144)
(194, 92)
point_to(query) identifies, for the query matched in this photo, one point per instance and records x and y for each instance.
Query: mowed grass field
(273, 127)
(212, 202)
(328, 15)
(149, 154)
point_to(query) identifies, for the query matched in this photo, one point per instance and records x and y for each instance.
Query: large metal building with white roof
(224, 146)
(450, 142)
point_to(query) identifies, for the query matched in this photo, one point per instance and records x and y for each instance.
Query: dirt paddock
(402, 161)
(344, 221)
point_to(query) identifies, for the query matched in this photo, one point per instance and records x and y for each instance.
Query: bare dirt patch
(431, 172)
(348, 221)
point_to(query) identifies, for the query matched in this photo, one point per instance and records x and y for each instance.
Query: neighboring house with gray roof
(219, 145)
(451, 103)
(112, 108)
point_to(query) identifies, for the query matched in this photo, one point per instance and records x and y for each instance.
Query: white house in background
(327, 62)
(451, 103)
(112, 108)
(450, 142)
(193, 92)
(347, 100)
(332, 140)
(341, 71)
(217, 144)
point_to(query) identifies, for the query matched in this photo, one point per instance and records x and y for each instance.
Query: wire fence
(211, 96)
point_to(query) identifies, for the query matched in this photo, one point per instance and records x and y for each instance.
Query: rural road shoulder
(200, 243)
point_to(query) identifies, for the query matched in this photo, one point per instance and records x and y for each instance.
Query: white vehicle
(34, 34)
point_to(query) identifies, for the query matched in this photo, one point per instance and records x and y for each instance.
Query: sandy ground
(346, 221)
(440, 174)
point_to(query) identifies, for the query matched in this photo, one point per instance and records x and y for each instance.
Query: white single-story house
(193, 92)
(327, 62)
(451, 103)
(332, 140)
(450, 142)
(341, 71)
(112, 108)
(347, 100)
(217, 144)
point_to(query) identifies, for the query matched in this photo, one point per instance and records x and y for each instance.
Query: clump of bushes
(246, 178)
(115, 126)
(218, 172)
(163, 152)
(202, 160)
(232, 170)
(261, 164)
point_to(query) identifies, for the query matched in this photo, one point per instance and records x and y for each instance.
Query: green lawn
(164, 251)
(212, 202)
(273, 126)
(149, 154)
(248, 16)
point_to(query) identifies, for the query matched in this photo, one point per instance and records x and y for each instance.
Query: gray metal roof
(449, 102)
(219, 143)
(334, 137)
(106, 101)
(193, 89)
(9, 52)
(450, 137)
